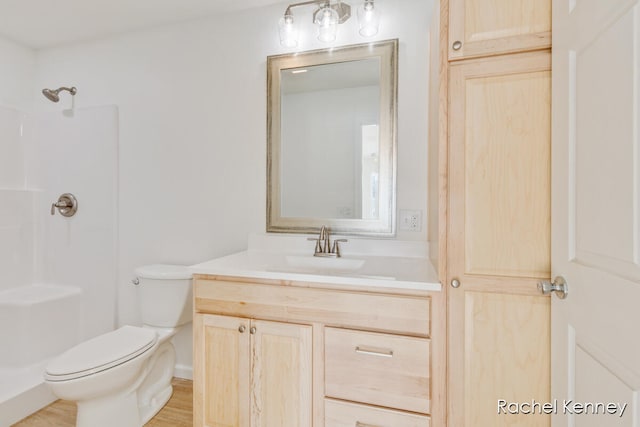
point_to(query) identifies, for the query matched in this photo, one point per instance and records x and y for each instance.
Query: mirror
(332, 140)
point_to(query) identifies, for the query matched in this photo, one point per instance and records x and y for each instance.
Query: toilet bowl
(123, 378)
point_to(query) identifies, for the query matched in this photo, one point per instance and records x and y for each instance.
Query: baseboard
(184, 372)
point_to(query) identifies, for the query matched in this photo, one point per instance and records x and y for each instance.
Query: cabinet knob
(242, 328)
(455, 283)
(252, 331)
(457, 45)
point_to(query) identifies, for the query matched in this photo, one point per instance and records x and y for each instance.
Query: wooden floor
(178, 412)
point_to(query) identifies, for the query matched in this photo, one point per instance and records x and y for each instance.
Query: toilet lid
(101, 353)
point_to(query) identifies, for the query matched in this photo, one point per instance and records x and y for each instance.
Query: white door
(596, 212)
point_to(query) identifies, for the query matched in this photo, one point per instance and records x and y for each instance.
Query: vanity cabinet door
(281, 374)
(251, 373)
(489, 27)
(221, 383)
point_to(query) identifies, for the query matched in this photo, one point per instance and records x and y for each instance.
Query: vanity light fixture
(288, 30)
(326, 19)
(368, 19)
(327, 16)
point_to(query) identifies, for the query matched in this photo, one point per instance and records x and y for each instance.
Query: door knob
(457, 45)
(559, 286)
(455, 283)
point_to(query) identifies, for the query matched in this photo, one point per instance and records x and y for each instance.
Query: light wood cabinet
(251, 373)
(281, 374)
(490, 27)
(310, 354)
(492, 112)
(221, 359)
(499, 237)
(500, 174)
(378, 369)
(347, 414)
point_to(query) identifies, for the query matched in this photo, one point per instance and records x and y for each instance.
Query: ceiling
(46, 23)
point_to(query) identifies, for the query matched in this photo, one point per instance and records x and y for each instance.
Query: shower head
(52, 94)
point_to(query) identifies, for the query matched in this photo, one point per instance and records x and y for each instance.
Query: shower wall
(17, 221)
(76, 151)
(17, 69)
(42, 156)
(57, 275)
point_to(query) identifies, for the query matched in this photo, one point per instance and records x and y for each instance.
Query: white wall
(192, 102)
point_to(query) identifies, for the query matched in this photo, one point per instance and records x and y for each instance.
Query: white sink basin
(324, 264)
(366, 262)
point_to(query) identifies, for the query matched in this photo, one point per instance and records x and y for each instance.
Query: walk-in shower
(58, 275)
(53, 94)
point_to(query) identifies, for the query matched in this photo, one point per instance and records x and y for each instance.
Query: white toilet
(123, 378)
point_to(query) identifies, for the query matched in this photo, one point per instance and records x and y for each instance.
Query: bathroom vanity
(282, 343)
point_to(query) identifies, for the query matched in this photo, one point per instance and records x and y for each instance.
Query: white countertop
(365, 262)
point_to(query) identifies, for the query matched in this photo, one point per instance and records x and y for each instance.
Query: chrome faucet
(324, 247)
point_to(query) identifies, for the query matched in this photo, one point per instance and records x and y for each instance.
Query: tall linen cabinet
(490, 203)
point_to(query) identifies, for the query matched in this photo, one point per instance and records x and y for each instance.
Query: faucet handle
(336, 246)
(324, 231)
(318, 248)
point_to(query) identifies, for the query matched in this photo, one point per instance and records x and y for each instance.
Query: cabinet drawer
(343, 414)
(379, 369)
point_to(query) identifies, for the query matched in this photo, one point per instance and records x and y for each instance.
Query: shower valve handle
(67, 205)
(58, 205)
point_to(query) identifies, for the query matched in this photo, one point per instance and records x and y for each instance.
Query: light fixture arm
(343, 9)
(304, 3)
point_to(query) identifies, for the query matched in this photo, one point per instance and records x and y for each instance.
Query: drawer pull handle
(374, 352)
(359, 424)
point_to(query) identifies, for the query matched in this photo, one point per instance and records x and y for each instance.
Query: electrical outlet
(410, 220)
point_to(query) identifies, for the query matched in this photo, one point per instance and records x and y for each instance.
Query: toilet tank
(165, 295)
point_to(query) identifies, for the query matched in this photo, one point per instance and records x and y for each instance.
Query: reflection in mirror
(331, 150)
(329, 117)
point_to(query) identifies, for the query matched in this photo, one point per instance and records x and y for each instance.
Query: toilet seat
(101, 353)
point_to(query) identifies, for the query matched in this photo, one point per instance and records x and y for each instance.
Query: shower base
(37, 322)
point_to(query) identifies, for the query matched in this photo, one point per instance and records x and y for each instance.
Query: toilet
(123, 378)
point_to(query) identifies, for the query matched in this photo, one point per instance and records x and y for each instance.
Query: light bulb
(288, 31)
(327, 20)
(368, 19)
